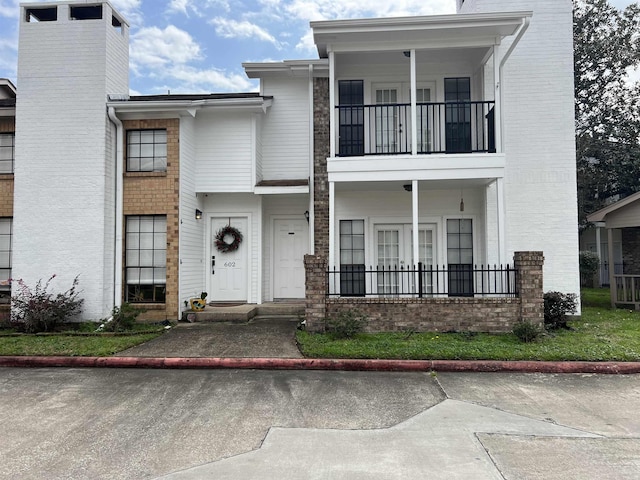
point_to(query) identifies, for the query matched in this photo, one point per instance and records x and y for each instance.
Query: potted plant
(198, 304)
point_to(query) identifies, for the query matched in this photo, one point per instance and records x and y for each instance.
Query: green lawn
(76, 340)
(601, 334)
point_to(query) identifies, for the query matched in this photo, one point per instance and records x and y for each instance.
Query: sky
(198, 46)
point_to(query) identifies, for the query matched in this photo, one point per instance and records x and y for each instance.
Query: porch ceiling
(436, 31)
(398, 186)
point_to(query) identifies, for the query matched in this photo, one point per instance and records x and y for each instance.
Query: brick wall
(321, 151)
(478, 314)
(157, 193)
(631, 250)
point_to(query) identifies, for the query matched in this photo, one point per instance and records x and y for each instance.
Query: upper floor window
(5, 258)
(147, 150)
(7, 152)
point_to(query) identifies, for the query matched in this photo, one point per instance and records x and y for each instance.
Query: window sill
(145, 174)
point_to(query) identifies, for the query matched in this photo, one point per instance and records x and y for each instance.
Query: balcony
(442, 128)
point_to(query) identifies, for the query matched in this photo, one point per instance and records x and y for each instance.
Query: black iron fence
(445, 127)
(422, 281)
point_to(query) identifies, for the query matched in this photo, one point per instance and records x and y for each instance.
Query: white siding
(285, 136)
(63, 210)
(224, 148)
(539, 136)
(192, 259)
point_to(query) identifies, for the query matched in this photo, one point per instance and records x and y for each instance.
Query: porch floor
(245, 312)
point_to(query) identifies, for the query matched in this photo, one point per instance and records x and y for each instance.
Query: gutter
(117, 274)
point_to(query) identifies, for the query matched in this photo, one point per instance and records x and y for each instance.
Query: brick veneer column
(315, 267)
(321, 151)
(529, 268)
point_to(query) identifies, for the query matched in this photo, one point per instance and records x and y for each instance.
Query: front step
(243, 313)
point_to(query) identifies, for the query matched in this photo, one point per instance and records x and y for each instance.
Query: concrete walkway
(279, 425)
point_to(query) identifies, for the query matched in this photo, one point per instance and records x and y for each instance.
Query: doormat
(224, 304)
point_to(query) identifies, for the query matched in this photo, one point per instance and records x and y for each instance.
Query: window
(146, 258)
(352, 258)
(5, 259)
(147, 150)
(41, 14)
(460, 256)
(7, 152)
(85, 12)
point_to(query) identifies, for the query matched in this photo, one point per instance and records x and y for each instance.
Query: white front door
(290, 243)
(394, 243)
(229, 270)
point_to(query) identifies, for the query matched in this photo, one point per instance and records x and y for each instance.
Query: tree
(606, 47)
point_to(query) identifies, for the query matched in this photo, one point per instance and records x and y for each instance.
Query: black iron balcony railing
(447, 127)
(422, 281)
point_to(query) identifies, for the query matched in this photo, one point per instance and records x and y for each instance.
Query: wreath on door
(222, 245)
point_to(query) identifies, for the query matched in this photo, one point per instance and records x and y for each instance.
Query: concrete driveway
(192, 424)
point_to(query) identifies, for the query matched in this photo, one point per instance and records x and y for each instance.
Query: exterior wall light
(198, 214)
(306, 215)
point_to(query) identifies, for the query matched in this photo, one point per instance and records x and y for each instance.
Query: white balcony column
(599, 253)
(612, 278)
(414, 106)
(332, 103)
(497, 109)
(416, 231)
(502, 253)
(332, 224)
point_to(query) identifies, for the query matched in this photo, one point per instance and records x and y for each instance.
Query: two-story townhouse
(412, 150)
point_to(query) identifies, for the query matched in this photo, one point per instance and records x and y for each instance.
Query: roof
(7, 89)
(192, 97)
(621, 214)
(434, 31)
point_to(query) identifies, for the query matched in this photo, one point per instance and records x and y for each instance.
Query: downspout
(311, 166)
(119, 208)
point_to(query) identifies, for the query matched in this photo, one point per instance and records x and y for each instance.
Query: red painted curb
(325, 364)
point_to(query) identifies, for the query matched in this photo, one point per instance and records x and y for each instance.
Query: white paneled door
(229, 270)
(290, 243)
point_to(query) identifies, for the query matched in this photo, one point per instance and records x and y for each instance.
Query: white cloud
(227, 28)
(154, 48)
(190, 79)
(310, 10)
(199, 7)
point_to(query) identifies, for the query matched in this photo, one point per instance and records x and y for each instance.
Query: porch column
(612, 280)
(599, 253)
(502, 256)
(332, 104)
(416, 232)
(332, 226)
(497, 110)
(414, 107)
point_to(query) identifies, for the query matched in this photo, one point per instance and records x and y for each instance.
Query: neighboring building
(444, 140)
(620, 247)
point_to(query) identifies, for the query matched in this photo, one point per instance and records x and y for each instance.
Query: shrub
(557, 306)
(122, 318)
(526, 332)
(347, 324)
(39, 310)
(589, 266)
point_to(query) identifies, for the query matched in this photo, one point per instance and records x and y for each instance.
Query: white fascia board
(291, 68)
(403, 163)
(298, 189)
(190, 107)
(406, 175)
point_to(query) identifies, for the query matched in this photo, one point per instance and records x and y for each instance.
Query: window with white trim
(146, 258)
(147, 150)
(7, 152)
(6, 234)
